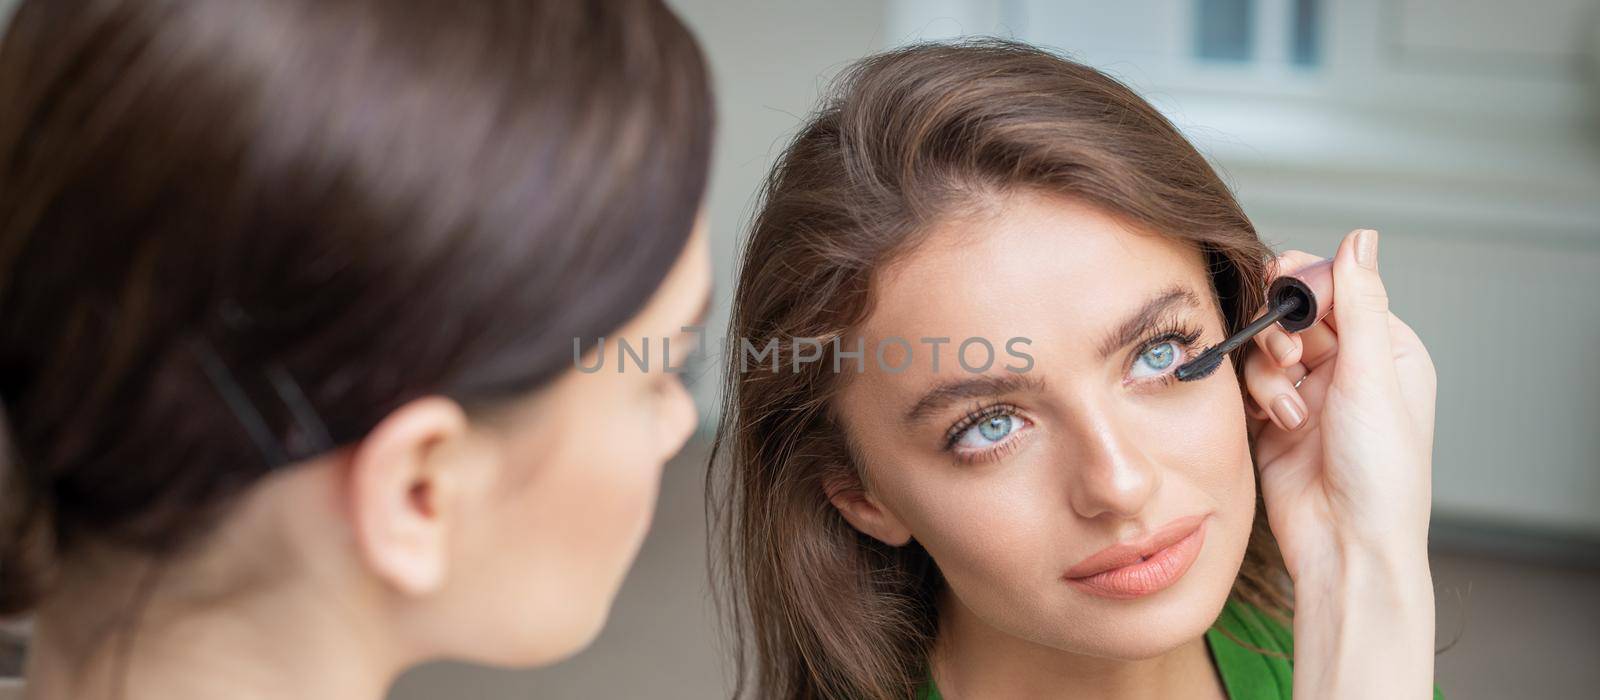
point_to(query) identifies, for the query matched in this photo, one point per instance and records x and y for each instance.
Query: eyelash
(977, 414)
(1185, 334)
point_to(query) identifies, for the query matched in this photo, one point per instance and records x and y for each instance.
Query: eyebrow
(1144, 321)
(946, 393)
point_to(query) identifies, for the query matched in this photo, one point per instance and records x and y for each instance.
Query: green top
(1246, 674)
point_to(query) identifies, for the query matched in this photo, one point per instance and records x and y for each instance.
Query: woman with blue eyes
(1088, 526)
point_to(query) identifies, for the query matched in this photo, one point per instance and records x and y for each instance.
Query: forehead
(1037, 266)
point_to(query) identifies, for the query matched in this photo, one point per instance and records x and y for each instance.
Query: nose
(1113, 475)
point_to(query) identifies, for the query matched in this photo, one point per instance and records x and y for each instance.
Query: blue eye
(1156, 359)
(988, 431)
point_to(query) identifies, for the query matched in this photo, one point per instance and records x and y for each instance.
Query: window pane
(1306, 25)
(1225, 29)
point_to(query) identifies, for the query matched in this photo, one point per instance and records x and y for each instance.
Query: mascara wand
(1298, 301)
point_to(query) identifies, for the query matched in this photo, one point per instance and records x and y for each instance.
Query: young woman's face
(566, 512)
(1014, 482)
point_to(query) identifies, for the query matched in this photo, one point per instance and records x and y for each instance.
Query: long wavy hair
(907, 139)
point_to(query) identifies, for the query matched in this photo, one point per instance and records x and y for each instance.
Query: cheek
(1204, 443)
(595, 489)
(573, 508)
(677, 419)
(1205, 452)
(1193, 436)
(986, 532)
(554, 526)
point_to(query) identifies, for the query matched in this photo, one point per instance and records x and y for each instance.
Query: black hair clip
(244, 409)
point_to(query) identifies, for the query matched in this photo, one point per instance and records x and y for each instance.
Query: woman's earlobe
(864, 511)
(399, 492)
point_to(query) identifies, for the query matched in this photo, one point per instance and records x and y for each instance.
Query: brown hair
(908, 138)
(236, 233)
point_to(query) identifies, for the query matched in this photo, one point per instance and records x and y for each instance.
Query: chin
(580, 634)
(1147, 632)
(1152, 631)
(541, 636)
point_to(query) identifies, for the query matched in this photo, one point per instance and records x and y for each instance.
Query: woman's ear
(864, 511)
(402, 486)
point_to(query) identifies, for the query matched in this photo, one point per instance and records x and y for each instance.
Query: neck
(972, 659)
(280, 643)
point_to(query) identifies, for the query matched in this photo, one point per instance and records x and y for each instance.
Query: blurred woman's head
(996, 192)
(288, 299)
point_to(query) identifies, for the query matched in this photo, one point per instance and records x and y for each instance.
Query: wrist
(1364, 626)
(1367, 559)
(1362, 580)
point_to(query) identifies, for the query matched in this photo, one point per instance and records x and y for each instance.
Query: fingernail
(1280, 345)
(1288, 412)
(1367, 248)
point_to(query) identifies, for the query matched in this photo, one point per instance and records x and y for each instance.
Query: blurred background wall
(1467, 131)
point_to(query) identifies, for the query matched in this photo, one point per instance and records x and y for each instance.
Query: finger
(1291, 260)
(1296, 372)
(1252, 410)
(1273, 390)
(1319, 345)
(1331, 322)
(1418, 378)
(1284, 347)
(1361, 306)
(1312, 385)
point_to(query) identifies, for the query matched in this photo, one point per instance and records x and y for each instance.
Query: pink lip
(1136, 569)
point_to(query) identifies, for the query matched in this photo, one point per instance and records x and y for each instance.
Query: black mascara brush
(1295, 301)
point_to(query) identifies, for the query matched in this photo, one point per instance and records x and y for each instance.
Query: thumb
(1361, 307)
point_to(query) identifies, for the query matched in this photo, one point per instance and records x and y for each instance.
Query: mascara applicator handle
(1295, 301)
(1313, 286)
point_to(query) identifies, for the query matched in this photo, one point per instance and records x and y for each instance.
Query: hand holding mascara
(1343, 453)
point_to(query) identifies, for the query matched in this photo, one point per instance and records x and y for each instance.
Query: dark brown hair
(910, 138)
(234, 233)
